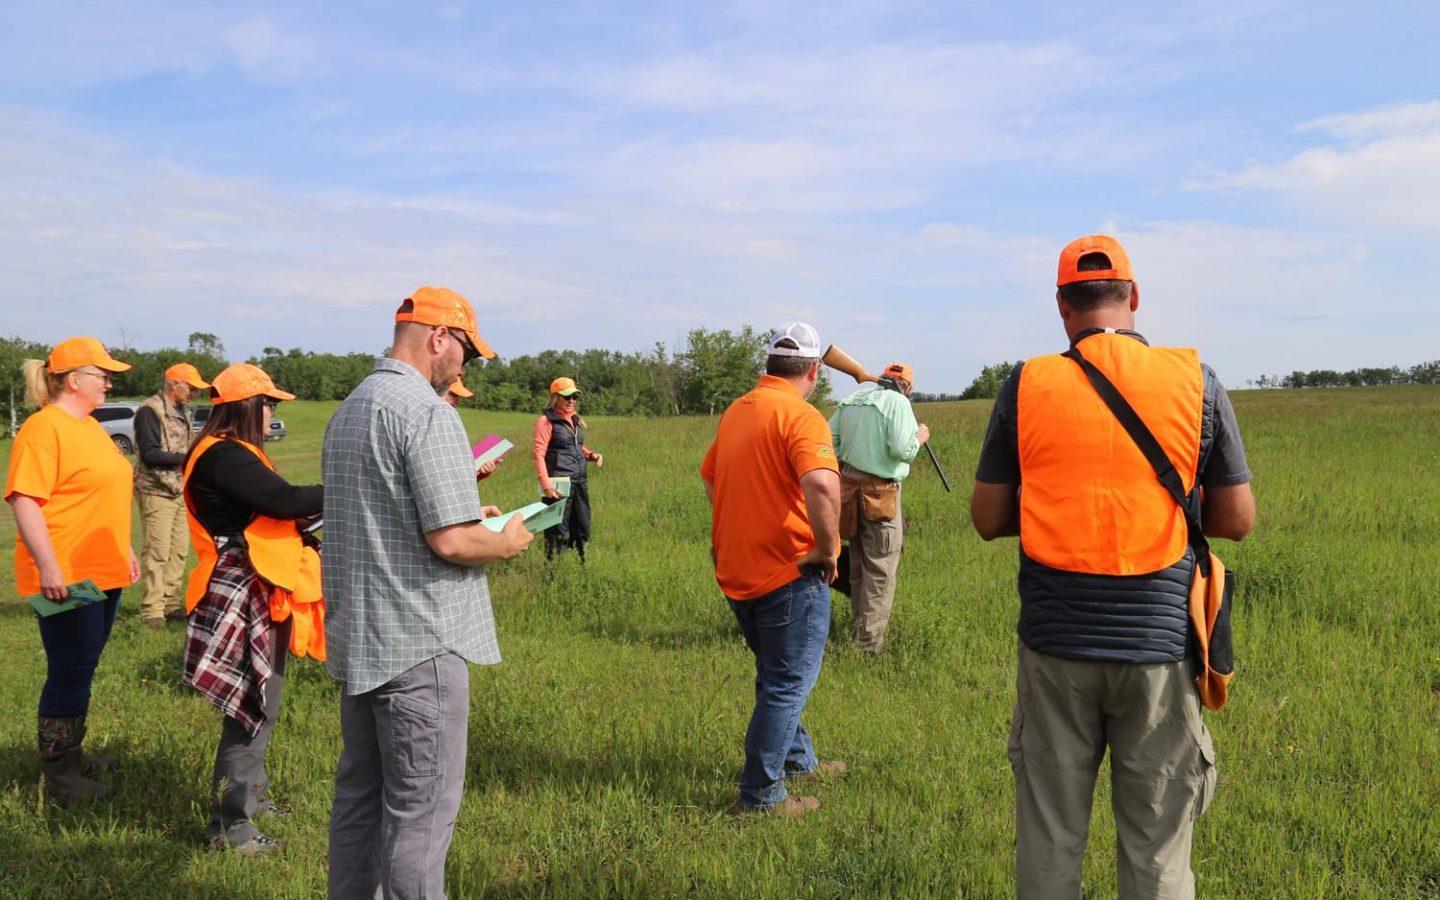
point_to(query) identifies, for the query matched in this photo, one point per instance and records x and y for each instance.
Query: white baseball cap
(806, 341)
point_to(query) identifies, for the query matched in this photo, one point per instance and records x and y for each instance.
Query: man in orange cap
(1107, 557)
(876, 438)
(162, 436)
(408, 603)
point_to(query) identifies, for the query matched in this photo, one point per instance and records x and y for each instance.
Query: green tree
(987, 384)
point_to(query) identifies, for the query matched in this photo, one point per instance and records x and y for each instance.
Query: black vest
(565, 456)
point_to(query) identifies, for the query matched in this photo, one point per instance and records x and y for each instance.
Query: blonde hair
(41, 385)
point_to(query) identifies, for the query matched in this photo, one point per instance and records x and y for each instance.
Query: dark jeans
(786, 630)
(73, 642)
(240, 788)
(398, 784)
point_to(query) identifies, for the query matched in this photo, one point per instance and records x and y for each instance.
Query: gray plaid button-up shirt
(396, 465)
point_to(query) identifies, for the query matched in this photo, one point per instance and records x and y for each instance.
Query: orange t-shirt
(82, 483)
(760, 528)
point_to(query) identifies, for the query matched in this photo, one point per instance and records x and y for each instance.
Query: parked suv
(118, 420)
(201, 413)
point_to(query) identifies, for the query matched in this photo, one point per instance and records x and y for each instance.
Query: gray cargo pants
(1162, 766)
(874, 562)
(398, 784)
(240, 787)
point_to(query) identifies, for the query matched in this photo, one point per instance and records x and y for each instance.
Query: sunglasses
(271, 403)
(468, 348)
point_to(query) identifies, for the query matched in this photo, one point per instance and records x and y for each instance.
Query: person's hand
(134, 568)
(517, 537)
(599, 460)
(551, 494)
(825, 562)
(486, 470)
(489, 512)
(924, 432)
(52, 583)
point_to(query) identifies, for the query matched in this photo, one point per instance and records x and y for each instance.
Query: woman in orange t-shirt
(69, 488)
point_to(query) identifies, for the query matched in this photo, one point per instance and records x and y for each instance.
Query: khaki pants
(1162, 766)
(162, 561)
(874, 561)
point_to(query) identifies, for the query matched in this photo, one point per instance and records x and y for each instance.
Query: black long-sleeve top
(230, 485)
(148, 443)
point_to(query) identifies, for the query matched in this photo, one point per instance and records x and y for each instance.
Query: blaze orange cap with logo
(442, 306)
(565, 387)
(72, 353)
(243, 381)
(188, 374)
(1095, 243)
(901, 370)
(460, 390)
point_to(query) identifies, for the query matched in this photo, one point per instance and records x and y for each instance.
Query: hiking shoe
(175, 615)
(268, 808)
(155, 624)
(792, 807)
(825, 770)
(257, 845)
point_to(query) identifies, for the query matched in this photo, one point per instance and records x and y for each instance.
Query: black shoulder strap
(1155, 454)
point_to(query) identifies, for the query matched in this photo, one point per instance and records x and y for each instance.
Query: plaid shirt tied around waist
(229, 641)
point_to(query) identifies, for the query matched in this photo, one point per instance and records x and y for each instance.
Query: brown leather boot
(825, 770)
(62, 761)
(792, 807)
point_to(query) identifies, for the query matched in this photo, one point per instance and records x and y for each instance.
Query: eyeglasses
(103, 376)
(270, 404)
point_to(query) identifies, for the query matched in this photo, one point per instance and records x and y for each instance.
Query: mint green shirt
(874, 430)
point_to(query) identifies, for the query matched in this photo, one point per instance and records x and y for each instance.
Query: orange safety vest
(1089, 500)
(280, 558)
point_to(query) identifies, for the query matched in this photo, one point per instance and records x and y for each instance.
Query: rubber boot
(580, 549)
(62, 761)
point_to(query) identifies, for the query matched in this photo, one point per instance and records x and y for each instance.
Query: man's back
(396, 465)
(766, 441)
(875, 431)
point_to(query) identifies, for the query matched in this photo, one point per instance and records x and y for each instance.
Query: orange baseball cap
(1095, 243)
(186, 373)
(565, 387)
(900, 370)
(72, 353)
(442, 306)
(460, 390)
(243, 381)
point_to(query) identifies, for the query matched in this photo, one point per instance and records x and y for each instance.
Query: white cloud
(1382, 169)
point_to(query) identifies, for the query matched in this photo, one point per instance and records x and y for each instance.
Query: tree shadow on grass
(94, 865)
(659, 775)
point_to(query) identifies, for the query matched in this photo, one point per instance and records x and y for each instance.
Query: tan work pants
(874, 561)
(162, 560)
(1162, 766)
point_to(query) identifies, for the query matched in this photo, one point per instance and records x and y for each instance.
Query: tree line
(1420, 373)
(702, 378)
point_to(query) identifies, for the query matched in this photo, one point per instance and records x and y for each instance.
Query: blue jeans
(73, 641)
(786, 630)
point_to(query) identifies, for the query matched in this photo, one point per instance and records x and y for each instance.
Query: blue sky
(900, 175)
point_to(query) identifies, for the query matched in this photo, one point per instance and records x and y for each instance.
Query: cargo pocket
(1209, 774)
(1017, 725)
(415, 738)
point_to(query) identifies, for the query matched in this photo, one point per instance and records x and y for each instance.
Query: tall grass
(606, 746)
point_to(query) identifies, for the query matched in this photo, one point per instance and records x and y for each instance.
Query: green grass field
(606, 747)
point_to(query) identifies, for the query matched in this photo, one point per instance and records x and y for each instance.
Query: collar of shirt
(1091, 332)
(776, 383)
(396, 367)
